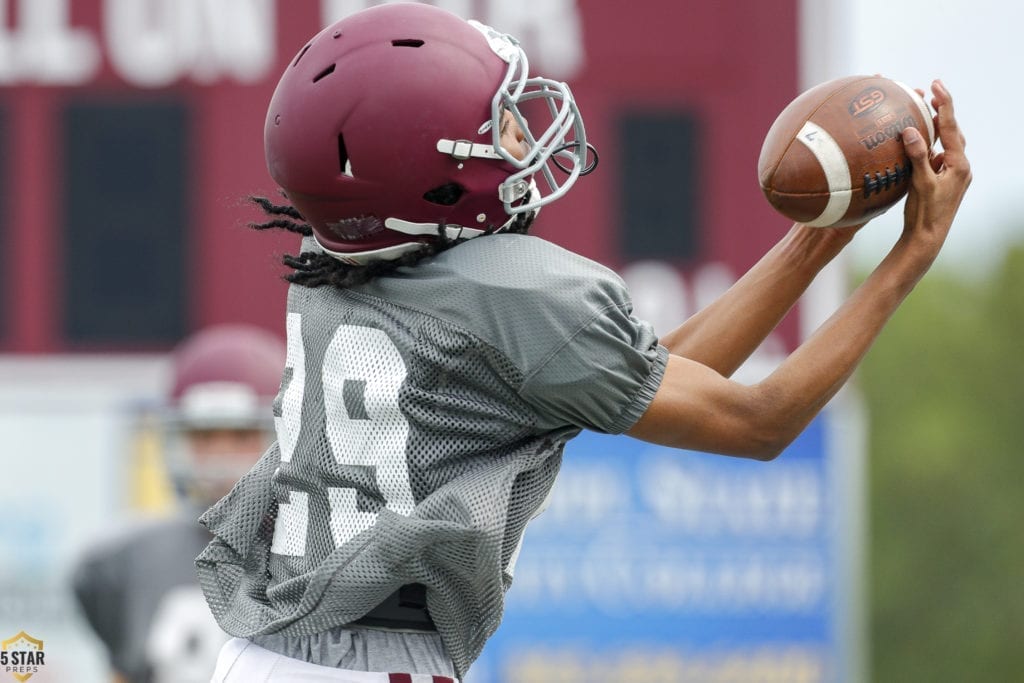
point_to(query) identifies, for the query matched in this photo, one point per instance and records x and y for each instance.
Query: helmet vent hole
(407, 42)
(343, 161)
(324, 74)
(302, 53)
(445, 195)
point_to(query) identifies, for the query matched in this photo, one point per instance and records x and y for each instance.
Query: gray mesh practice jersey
(138, 591)
(420, 426)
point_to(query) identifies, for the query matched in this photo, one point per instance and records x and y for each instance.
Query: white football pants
(241, 661)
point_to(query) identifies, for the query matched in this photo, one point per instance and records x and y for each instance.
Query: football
(834, 156)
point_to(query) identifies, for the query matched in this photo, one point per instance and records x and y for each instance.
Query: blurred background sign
(131, 132)
(653, 564)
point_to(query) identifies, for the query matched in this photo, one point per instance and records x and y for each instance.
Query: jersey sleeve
(563, 321)
(604, 374)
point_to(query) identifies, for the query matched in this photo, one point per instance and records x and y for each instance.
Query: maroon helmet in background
(385, 127)
(226, 376)
(219, 416)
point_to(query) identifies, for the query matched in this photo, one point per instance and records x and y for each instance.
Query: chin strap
(465, 149)
(510, 191)
(453, 232)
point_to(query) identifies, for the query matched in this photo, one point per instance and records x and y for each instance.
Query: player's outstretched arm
(696, 408)
(724, 334)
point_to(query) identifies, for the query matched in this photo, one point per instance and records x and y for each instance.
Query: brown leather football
(835, 157)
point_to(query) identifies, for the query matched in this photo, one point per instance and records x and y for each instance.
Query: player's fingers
(917, 150)
(949, 132)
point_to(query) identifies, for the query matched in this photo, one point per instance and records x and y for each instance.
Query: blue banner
(653, 564)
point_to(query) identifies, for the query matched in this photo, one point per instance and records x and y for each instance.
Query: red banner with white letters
(711, 75)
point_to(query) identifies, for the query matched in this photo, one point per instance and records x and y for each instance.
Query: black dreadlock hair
(313, 269)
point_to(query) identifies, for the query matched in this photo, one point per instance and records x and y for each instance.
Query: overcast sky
(977, 48)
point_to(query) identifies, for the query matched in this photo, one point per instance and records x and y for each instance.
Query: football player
(439, 357)
(137, 587)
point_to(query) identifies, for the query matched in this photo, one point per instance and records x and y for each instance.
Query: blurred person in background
(137, 586)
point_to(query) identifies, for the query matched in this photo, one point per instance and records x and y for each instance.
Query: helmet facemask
(562, 144)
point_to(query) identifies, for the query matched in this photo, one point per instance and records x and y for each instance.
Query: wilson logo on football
(866, 101)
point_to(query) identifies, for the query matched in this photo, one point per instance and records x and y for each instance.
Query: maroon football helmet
(226, 377)
(385, 127)
(219, 415)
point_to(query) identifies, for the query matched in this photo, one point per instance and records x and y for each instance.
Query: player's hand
(939, 180)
